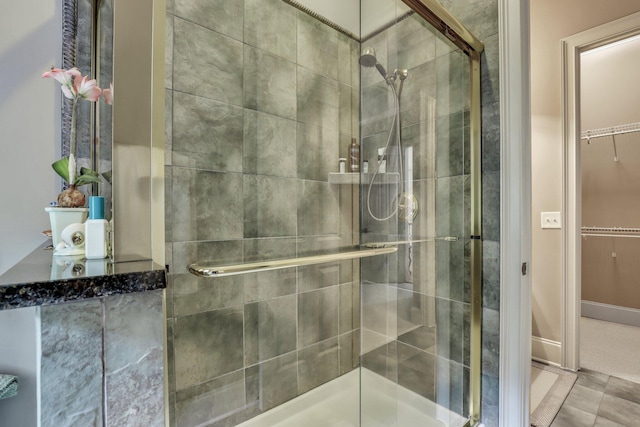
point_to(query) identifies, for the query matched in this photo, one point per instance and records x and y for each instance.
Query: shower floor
(335, 404)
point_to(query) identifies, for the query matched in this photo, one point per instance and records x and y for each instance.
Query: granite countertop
(42, 279)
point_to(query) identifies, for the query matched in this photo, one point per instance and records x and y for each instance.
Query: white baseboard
(611, 313)
(546, 351)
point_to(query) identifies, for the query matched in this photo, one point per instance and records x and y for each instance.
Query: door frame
(571, 48)
(515, 213)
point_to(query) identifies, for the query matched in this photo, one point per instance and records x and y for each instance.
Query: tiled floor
(599, 400)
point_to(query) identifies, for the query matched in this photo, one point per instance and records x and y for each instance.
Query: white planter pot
(62, 217)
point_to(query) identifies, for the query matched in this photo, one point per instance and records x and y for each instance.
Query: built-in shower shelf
(365, 178)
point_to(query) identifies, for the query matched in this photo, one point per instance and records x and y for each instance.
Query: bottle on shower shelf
(354, 156)
(382, 161)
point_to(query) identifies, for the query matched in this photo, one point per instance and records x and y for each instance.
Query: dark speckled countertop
(42, 279)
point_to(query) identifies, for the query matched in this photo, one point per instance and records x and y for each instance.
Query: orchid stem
(72, 135)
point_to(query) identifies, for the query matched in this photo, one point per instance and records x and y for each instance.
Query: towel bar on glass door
(207, 270)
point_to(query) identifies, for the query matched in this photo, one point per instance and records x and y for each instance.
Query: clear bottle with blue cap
(95, 230)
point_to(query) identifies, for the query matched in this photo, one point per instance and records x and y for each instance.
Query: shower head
(368, 59)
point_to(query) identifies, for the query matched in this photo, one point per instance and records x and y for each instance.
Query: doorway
(587, 125)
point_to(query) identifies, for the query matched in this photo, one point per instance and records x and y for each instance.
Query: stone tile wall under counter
(86, 341)
(102, 362)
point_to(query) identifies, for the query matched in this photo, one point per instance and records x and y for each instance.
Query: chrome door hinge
(524, 268)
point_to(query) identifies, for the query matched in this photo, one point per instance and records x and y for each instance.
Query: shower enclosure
(300, 295)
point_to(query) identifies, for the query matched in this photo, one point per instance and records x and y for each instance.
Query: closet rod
(610, 235)
(610, 131)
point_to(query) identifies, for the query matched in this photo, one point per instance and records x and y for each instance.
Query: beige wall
(552, 21)
(610, 189)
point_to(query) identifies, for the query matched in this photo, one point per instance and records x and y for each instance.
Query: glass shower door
(415, 303)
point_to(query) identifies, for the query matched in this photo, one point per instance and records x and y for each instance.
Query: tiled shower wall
(261, 100)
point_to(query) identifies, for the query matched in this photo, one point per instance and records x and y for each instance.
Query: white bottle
(95, 230)
(382, 161)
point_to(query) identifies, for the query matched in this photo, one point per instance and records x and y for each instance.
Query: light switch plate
(550, 220)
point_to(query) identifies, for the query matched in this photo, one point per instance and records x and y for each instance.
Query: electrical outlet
(550, 220)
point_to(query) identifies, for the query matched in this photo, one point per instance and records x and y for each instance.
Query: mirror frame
(69, 48)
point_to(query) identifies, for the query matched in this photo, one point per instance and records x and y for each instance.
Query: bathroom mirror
(87, 43)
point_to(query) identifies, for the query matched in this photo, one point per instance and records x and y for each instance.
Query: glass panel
(257, 121)
(415, 303)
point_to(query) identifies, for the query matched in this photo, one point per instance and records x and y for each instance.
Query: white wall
(30, 42)
(552, 21)
(609, 85)
(346, 13)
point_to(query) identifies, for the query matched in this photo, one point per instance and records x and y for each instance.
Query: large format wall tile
(318, 99)
(377, 111)
(312, 277)
(207, 205)
(269, 284)
(272, 383)
(452, 146)
(270, 25)
(450, 318)
(416, 370)
(317, 316)
(269, 206)
(346, 54)
(168, 53)
(269, 329)
(415, 42)
(317, 46)
(452, 75)
(269, 83)
(208, 294)
(317, 152)
(421, 85)
(207, 345)
(223, 16)
(213, 400)
(206, 134)
(449, 275)
(349, 351)
(317, 208)
(318, 364)
(452, 386)
(450, 206)
(206, 63)
(168, 127)
(269, 145)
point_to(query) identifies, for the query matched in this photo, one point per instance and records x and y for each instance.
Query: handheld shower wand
(405, 204)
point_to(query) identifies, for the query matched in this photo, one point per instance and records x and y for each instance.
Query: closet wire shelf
(610, 232)
(610, 131)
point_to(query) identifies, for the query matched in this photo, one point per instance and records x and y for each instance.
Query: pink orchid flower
(74, 85)
(87, 89)
(108, 94)
(65, 78)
